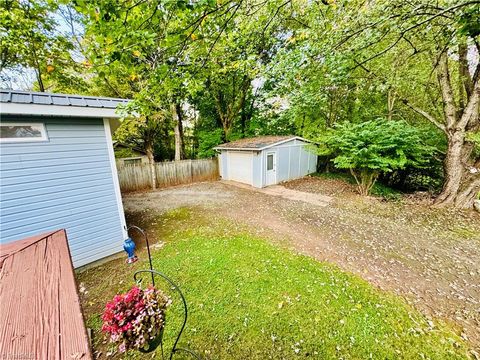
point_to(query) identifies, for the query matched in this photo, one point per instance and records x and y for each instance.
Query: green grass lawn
(249, 299)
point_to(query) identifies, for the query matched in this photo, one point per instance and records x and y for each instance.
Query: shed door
(240, 167)
(271, 168)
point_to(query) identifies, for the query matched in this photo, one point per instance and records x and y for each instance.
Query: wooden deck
(40, 311)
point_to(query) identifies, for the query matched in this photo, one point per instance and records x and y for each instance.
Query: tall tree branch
(443, 75)
(425, 115)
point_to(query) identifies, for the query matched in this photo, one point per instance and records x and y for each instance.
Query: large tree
(421, 56)
(31, 39)
(170, 52)
(448, 34)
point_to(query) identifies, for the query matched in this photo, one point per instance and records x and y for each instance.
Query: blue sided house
(57, 171)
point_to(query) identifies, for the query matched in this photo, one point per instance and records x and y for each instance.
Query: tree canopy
(205, 72)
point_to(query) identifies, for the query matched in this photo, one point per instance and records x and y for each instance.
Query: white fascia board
(239, 149)
(285, 141)
(116, 184)
(265, 147)
(57, 110)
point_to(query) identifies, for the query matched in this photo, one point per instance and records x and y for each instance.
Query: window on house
(17, 132)
(270, 162)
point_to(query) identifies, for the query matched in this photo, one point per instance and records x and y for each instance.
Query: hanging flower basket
(135, 320)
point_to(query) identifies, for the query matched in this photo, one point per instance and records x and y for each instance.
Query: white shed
(266, 160)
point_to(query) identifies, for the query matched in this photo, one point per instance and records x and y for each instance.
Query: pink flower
(129, 319)
(139, 305)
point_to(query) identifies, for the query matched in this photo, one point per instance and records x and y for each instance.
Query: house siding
(65, 182)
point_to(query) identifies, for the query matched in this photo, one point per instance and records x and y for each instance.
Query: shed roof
(41, 313)
(257, 143)
(40, 103)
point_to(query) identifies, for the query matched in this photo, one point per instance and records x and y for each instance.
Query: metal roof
(42, 98)
(257, 143)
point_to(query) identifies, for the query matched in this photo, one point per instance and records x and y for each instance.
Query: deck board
(40, 311)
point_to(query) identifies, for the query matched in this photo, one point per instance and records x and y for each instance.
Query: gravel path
(429, 256)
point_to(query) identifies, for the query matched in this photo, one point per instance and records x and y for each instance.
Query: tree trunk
(151, 162)
(365, 181)
(390, 103)
(453, 169)
(466, 198)
(179, 144)
(243, 122)
(41, 87)
(226, 132)
(224, 113)
(461, 182)
(38, 71)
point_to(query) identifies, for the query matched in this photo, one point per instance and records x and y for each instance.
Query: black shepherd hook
(158, 342)
(140, 230)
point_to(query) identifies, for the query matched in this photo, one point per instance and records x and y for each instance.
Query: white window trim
(273, 160)
(43, 131)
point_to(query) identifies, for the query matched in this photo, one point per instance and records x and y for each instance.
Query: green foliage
(207, 141)
(205, 54)
(26, 29)
(124, 153)
(373, 147)
(139, 131)
(474, 137)
(385, 192)
(469, 21)
(31, 39)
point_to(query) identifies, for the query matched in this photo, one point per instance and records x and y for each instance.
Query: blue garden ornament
(129, 247)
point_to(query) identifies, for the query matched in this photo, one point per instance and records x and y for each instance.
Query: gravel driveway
(428, 256)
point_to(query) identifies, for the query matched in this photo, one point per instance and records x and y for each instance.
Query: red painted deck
(40, 311)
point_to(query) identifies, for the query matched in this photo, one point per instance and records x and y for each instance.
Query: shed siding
(294, 169)
(282, 163)
(293, 160)
(66, 182)
(257, 169)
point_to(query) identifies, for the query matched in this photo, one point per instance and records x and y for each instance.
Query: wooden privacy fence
(138, 177)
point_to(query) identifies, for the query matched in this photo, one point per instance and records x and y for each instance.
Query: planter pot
(153, 344)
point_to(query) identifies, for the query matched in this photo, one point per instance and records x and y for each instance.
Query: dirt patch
(286, 193)
(330, 187)
(429, 256)
(200, 194)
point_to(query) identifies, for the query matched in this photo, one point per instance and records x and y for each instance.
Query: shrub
(373, 147)
(134, 319)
